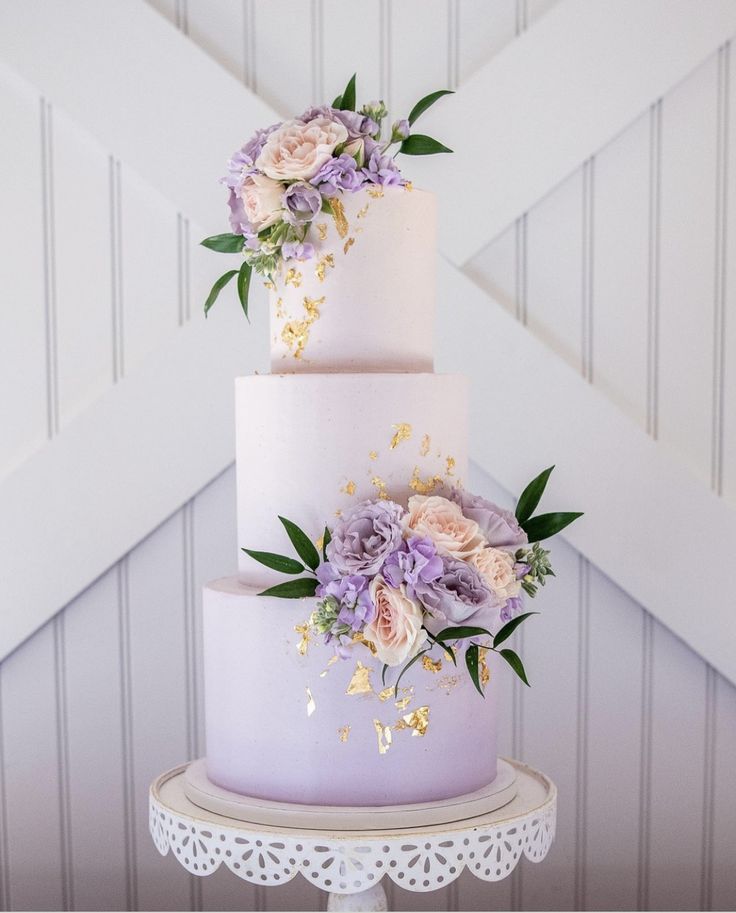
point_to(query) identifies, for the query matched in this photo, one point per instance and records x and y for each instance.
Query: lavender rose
(365, 537)
(381, 169)
(416, 560)
(500, 527)
(338, 174)
(301, 202)
(458, 596)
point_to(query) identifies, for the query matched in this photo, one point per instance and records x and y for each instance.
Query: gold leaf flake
(402, 432)
(375, 192)
(338, 513)
(360, 683)
(424, 486)
(407, 696)
(280, 312)
(362, 212)
(269, 285)
(349, 488)
(448, 682)
(373, 455)
(305, 630)
(311, 706)
(322, 230)
(485, 672)
(319, 544)
(384, 736)
(348, 244)
(338, 214)
(450, 466)
(295, 334)
(431, 665)
(343, 733)
(360, 638)
(331, 661)
(293, 277)
(409, 186)
(386, 694)
(323, 264)
(380, 487)
(417, 720)
(426, 444)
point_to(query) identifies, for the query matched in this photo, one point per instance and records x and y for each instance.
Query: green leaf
(302, 543)
(531, 496)
(217, 288)
(337, 103)
(508, 629)
(546, 525)
(225, 244)
(471, 661)
(276, 562)
(421, 106)
(516, 664)
(326, 539)
(418, 144)
(244, 286)
(347, 99)
(293, 589)
(460, 633)
(406, 667)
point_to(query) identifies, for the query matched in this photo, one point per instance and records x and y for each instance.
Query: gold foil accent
(402, 432)
(362, 212)
(323, 264)
(431, 665)
(322, 230)
(373, 455)
(338, 513)
(338, 214)
(450, 466)
(485, 672)
(295, 334)
(360, 683)
(417, 720)
(360, 638)
(409, 186)
(348, 244)
(311, 706)
(384, 736)
(375, 192)
(269, 285)
(403, 702)
(343, 732)
(331, 661)
(426, 444)
(319, 544)
(424, 486)
(349, 488)
(293, 277)
(280, 312)
(380, 487)
(448, 682)
(386, 694)
(305, 630)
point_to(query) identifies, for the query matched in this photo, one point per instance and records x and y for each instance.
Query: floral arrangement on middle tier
(445, 573)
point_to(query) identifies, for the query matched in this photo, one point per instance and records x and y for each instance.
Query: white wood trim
(530, 409)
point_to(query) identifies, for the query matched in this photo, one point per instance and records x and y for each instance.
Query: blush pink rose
(397, 628)
(442, 521)
(496, 567)
(296, 151)
(261, 199)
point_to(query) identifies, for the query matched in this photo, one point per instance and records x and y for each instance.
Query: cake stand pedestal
(350, 865)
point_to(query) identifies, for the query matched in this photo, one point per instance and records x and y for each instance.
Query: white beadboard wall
(623, 270)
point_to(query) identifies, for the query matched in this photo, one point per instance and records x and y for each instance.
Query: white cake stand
(349, 865)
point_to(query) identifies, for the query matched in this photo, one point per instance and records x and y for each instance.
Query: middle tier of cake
(311, 446)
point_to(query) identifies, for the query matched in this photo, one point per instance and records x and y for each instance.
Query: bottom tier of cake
(288, 721)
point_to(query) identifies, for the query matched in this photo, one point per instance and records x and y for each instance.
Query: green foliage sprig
(308, 563)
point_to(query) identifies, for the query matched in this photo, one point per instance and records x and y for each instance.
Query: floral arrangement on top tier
(446, 573)
(288, 173)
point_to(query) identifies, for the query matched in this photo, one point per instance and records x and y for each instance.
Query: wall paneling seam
(49, 266)
(384, 51)
(4, 845)
(130, 801)
(249, 44)
(709, 789)
(581, 753)
(645, 764)
(316, 14)
(183, 271)
(62, 761)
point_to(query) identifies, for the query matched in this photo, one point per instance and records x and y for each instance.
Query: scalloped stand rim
(200, 790)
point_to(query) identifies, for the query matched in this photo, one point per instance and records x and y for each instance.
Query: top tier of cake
(366, 301)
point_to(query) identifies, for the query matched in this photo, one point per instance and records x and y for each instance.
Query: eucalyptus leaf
(546, 525)
(460, 633)
(225, 244)
(421, 106)
(531, 496)
(279, 563)
(471, 661)
(302, 543)
(293, 589)
(347, 99)
(217, 288)
(419, 144)
(244, 275)
(406, 667)
(508, 629)
(516, 664)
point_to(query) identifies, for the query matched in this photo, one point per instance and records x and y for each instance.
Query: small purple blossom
(381, 169)
(338, 174)
(458, 596)
(511, 609)
(302, 202)
(400, 129)
(363, 538)
(351, 594)
(415, 561)
(244, 158)
(357, 125)
(499, 526)
(297, 250)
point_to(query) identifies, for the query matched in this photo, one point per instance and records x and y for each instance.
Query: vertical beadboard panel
(721, 887)
(219, 28)
(342, 58)
(675, 825)
(95, 747)
(613, 748)
(687, 254)
(418, 56)
(727, 278)
(621, 270)
(32, 776)
(484, 28)
(153, 622)
(495, 269)
(285, 88)
(82, 249)
(554, 278)
(22, 320)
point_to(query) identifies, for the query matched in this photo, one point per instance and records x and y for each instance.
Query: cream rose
(496, 567)
(397, 628)
(443, 522)
(261, 199)
(296, 151)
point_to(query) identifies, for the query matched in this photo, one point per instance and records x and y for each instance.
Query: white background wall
(623, 270)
